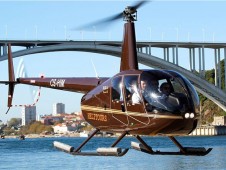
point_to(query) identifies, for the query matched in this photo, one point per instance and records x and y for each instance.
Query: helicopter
(132, 102)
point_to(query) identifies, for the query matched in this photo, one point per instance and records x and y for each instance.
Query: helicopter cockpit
(157, 91)
(167, 91)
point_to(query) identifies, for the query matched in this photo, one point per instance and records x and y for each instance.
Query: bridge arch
(209, 90)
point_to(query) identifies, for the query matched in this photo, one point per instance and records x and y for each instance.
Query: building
(58, 108)
(28, 115)
(219, 121)
(63, 128)
(50, 120)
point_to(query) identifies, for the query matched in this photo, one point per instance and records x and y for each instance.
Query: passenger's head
(143, 84)
(165, 88)
(134, 86)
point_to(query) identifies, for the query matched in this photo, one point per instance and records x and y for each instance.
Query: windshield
(165, 91)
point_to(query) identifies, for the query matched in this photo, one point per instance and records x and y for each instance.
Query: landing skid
(187, 151)
(142, 146)
(111, 151)
(117, 154)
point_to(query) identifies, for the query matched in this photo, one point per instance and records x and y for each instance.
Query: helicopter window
(117, 85)
(163, 92)
(131, 86)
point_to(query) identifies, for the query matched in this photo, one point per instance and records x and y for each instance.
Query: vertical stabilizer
(11, 76)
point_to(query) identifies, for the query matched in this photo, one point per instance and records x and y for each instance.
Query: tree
(14, 122)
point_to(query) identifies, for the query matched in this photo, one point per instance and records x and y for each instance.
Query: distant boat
(84, 134)
(2, 137)
(22, 137)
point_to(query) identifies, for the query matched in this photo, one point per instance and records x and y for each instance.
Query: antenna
(94, 69)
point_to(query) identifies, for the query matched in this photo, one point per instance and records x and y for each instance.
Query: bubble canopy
(169, 91)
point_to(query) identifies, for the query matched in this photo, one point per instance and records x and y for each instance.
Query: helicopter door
(135, 110)
(117, 101)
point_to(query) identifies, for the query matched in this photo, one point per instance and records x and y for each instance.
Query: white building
(219, 121)
(58, 108)
(28, 114)
(62, 128)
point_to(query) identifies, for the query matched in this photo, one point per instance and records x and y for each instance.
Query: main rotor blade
(139, 4)
(100, 23)
(106, 21)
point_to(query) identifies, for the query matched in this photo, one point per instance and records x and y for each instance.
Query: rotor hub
(130, 14)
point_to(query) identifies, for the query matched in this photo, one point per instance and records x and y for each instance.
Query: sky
(186, 21)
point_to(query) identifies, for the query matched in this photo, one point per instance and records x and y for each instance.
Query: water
(40, 154)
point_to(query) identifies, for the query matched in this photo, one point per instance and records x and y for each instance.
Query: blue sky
(54, 20)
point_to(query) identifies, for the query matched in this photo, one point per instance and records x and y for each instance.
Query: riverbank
(45, 136)
(199, 131)
(209, 131)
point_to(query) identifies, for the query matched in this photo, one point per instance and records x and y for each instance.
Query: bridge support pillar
(217, 68)
(166, 54)
(215, 57)
(203, 61)
(200, 63)
(149, 49)
(192, 59)
(5, 49)
(225, 69)
(175, 54)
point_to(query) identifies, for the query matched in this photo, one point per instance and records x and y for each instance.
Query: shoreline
(42, 136)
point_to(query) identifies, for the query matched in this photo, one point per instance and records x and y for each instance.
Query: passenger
(169, 101)
(165, 89)
(136, 98)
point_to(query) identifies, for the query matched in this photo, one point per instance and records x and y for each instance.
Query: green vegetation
(33, 128)
(208, 108)
(36, 128)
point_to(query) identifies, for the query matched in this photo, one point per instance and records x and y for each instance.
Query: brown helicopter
(132, 102)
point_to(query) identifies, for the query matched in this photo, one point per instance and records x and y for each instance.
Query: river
(39, 153)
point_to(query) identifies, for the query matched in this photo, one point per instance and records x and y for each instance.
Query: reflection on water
(40, 154)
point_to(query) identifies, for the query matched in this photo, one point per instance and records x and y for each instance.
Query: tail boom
(81, 85)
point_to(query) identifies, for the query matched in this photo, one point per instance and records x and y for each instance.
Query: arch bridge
(169, 60)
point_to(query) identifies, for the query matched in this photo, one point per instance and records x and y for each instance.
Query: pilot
(136, 98)
(145, 91)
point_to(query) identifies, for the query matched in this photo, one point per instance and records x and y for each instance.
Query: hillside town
(58, 123)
